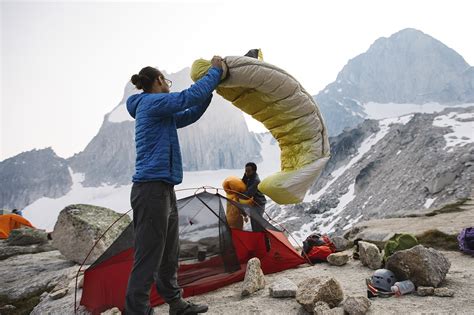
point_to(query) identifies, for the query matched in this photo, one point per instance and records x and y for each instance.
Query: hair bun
(136, 80)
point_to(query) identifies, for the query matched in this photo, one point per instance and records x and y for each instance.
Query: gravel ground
(352, 276)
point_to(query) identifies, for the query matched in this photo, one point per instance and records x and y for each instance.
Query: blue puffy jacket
(157, 117)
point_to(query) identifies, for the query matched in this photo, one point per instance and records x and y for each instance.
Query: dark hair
(145, 78)
(252, 165)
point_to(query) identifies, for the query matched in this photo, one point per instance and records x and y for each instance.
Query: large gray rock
(341, 243)
(356, 305)
(423, 266)
(27, 236)
(282, 288)
(370, 255)
(254, 279)
(312, 290)
(338, 259)
(25, 278)
(80, 226)
(7, 251)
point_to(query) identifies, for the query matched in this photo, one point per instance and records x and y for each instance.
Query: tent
(10, 222)
(212, 255)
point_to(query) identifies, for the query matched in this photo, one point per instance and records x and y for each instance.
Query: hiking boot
(189, 309)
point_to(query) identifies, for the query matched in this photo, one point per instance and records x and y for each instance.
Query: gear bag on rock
(466, 240)
(318, 247)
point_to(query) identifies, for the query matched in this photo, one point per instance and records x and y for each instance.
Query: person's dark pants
(155, 222)
(256, 227)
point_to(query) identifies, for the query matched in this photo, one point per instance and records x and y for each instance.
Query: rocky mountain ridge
(390, 168)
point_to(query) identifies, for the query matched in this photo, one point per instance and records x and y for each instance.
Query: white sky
(65, 64)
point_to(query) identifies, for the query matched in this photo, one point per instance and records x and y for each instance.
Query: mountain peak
(408, 67)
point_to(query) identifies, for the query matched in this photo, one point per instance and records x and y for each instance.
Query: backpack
(317, 247)
(399, 242)
(466, 240)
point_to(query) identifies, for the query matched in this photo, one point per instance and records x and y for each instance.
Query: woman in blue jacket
(158, 114)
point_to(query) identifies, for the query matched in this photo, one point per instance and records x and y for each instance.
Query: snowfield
(389, 110)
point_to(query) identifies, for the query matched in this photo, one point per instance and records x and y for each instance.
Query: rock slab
(338, 259)
(313, 290)
(39, 273)
(254, 279)
(423, 266)
(27, 236)
(283, 288)
(370, 255)
(7, 251)
(80, 226)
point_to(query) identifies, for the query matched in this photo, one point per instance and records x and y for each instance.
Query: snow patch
(326, 91)
(462, 126)
(429, 202)
(339, 90)
(327, 223)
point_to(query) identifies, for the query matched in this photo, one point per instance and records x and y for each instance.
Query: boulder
(320, 308)
(443, 292)
(370, 255)
(282, 288)
(312, 290)
(341, 243)
(80, 226)
(425, 291)
(441, 180)
(423, 266)
(356, 305)
(338, 259)
(254, 279)
(27, 236)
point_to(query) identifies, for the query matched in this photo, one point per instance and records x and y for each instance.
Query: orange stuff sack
(233, 186)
